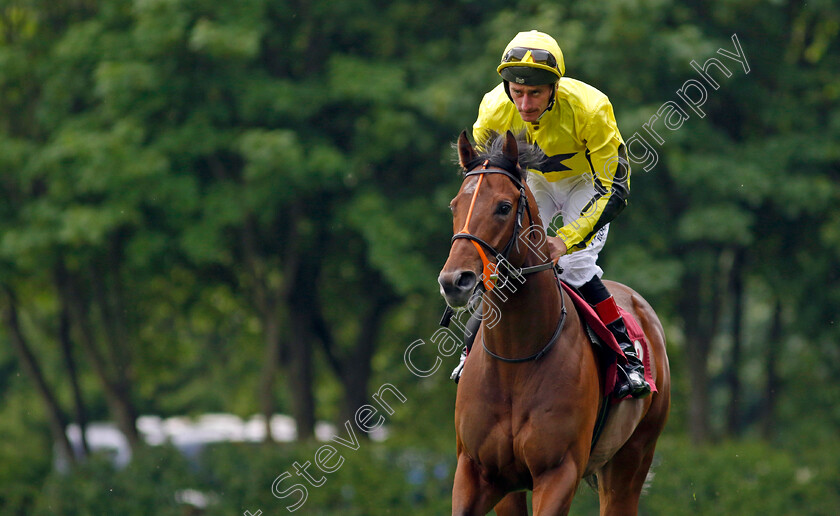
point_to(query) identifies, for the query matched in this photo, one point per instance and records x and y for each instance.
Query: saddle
(608, 351)
(604, 341)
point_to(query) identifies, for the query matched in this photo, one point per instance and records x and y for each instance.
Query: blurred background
(221, 225)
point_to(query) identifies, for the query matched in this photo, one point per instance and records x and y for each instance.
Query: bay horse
(532, 386)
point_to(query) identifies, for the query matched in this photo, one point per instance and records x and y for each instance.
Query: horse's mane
(530, 156)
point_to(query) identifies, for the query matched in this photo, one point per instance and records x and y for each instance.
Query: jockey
(581, 185)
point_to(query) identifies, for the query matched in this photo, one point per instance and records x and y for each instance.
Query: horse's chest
(508, 441)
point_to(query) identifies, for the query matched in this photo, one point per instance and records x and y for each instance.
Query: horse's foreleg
(554, 489)
(471, 495)
(513, 504)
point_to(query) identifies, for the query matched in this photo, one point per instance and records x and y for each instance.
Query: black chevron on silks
(553, 163)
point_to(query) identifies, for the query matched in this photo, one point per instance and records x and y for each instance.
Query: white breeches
(567, 198)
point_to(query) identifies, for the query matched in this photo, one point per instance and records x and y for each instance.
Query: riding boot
(470, 331)
(631, 375)
(456, 373)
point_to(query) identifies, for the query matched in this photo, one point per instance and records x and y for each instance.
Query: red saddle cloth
(634, 331)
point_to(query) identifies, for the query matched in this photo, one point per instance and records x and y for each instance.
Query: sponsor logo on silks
(640, 352)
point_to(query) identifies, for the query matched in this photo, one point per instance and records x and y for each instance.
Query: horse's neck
(528, 315)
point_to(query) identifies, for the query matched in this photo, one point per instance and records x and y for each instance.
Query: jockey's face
(531, 101)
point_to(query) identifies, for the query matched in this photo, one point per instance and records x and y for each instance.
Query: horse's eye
(504, 208)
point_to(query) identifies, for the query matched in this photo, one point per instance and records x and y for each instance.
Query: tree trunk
(265, 301)
(300, 376)
(66, 345)
(56, 417)
(772, 381)
(268, 373)
(107, 295)
(736, 292)
(301, 301)
(354, 369)
(698, 353)
(700, 308)
(267, 298)
(117, 392)
(357, 371)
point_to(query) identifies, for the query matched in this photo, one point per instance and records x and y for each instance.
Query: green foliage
(741, 478)
(192, 154)
(719, 224)
(727, 478)
(146, 486)
(372, 480)
(361, 80)
(23, 465)
(224, 41)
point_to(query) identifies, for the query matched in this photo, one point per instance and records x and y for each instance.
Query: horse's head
(493, 218)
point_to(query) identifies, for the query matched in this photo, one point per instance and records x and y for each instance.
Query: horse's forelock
(530, 156)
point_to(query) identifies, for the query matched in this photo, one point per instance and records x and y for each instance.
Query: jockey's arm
(610, 175)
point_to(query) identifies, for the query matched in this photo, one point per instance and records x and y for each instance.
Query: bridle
(491, 271)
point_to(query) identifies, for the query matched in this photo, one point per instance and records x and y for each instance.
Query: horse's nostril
(457, 286)
(466, 280)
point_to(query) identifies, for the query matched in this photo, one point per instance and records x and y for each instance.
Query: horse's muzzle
(457, 287)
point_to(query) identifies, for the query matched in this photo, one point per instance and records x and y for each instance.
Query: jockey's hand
(556, 247)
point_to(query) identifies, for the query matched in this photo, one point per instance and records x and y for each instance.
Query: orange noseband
(488, 276)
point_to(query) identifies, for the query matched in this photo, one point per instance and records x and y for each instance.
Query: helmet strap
(550, 104)
(507, 89)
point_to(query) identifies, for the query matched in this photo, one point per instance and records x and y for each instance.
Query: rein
(544, 350)
(491, 270)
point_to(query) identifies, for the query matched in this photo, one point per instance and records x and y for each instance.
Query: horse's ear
(466, 153)
(510, 148)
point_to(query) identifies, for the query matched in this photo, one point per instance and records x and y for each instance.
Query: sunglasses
(539, 56)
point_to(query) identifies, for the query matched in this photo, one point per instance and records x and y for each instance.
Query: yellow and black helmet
(532, 58)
